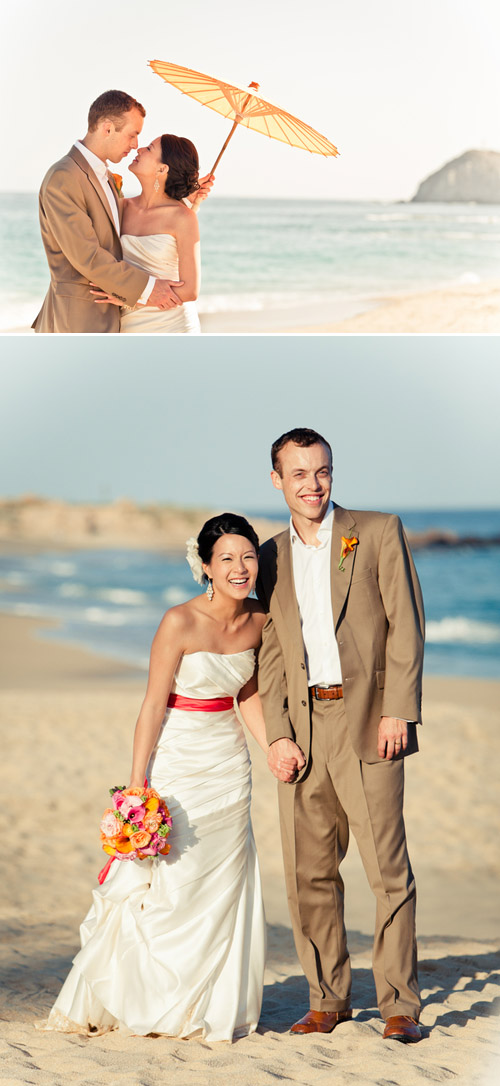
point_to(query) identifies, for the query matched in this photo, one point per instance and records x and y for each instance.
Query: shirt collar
(99, 167)
(324, 530)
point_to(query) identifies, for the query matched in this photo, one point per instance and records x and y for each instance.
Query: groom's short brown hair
(302, 436)
(112, 104)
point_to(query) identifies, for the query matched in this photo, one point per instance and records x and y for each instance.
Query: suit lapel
(285, 588)
(120, 210)
(81, 161)
(117, 200)
(343, 525)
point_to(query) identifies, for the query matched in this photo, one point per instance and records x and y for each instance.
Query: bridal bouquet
(136, 826)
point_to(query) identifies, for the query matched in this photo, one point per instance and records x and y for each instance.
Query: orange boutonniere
(348, 545)
(117, 180)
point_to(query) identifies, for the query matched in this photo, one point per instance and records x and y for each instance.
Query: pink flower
(110, 825)
(131, 810)
(153, 847)
(125, 855)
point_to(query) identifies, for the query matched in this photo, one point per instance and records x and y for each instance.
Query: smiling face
(122, 135)
(233, 566)
(305, 478)
(148, 164)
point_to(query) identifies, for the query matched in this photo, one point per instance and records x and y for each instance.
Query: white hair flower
(193, 557)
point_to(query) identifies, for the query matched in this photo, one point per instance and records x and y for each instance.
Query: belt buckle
(331, 691)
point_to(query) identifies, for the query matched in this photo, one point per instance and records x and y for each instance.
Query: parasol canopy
(243, 106)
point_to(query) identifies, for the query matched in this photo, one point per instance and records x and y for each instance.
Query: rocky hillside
(31, 522)
(48, 522)
(474, 177)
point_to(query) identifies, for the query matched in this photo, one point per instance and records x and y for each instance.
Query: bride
(175, 945)
(159, 233)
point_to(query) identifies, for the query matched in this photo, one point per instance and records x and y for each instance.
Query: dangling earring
(156, 185)
(210, 590)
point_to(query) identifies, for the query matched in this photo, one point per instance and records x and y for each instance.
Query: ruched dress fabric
(175, 944)
(157, 254)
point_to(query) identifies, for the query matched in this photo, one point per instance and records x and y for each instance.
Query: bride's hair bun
(224, 524)
(181, 157)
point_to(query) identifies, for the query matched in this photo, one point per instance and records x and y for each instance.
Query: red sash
(199, 705)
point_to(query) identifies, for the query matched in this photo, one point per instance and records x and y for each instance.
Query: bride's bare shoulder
(257, 612)
(180, 217)
(180, 621)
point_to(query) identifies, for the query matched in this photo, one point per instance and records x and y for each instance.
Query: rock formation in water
(474, 177)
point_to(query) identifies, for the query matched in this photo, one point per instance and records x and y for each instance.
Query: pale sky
(413, 420)
(399, 87)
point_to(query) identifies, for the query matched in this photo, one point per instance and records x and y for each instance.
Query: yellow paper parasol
(243, 105)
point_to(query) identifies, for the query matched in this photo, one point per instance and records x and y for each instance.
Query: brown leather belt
(327, 693)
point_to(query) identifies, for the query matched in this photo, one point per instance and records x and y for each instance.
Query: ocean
(318, 260)
(111, 601)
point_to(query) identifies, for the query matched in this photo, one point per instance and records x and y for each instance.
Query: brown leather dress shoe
(400, 1027)
(320, 1021)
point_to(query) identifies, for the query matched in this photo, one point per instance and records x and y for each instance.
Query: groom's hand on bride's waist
(163, 295)
(285, 759)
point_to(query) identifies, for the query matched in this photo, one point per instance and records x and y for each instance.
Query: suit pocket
(380, 677)
(73, 290)
(361, 575)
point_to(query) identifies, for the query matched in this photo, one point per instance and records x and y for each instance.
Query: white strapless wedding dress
(157, 254)
(176, 944)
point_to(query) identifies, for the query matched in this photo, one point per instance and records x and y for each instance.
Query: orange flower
(117, 180)
(111, 841)
(140, 839)
(133, 791)
(151, 822)
(163, 851)
(348, 545)
(150, 792)
(124, 846)
(153, 804)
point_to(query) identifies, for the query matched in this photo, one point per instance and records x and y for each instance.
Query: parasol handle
(223, 148)
(254, 86)
(197, 202)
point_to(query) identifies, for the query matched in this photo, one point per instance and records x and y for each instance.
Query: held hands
(285, 759)
(162, 296)
(392, 737)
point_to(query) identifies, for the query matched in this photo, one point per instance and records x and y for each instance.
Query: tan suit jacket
(379, 625)
(82, 246)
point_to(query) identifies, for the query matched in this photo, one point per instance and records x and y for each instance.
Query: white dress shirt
(101, 171)
(312, 578)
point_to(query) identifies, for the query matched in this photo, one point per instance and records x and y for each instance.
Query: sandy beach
(67, 721)
(457, 309)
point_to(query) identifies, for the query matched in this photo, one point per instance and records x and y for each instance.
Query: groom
(340, 680)
(80, 216)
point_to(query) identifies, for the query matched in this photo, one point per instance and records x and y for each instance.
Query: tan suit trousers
(340, 793)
